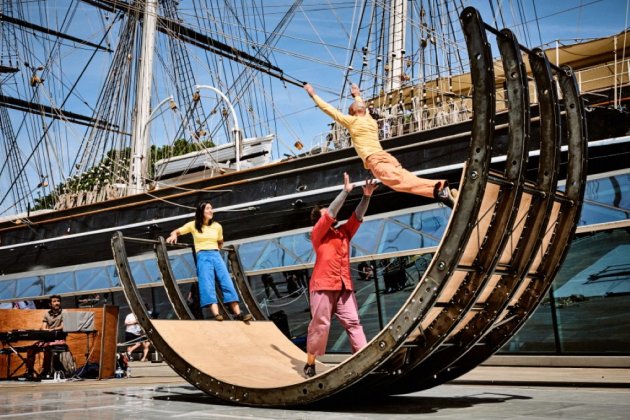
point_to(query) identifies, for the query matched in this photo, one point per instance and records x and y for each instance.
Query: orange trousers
(388, 170)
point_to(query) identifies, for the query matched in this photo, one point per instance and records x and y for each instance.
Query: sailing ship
(210, 143)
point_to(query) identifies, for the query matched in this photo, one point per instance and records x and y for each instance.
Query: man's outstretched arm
(328, 109)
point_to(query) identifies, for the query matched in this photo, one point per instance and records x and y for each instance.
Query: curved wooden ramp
(502, 247)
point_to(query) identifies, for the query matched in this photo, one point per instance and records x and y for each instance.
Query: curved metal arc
(517, 90)
(396, 332)
(173, 292)
(388, 341)
(557, 250)
(242, 285)
(460, 228)
(420, 364)
(550, 126)
(577, 135)
(455, 360)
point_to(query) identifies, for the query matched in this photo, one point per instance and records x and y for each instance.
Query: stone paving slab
(443, 402)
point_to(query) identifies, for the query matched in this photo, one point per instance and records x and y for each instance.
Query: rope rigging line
(35, 146)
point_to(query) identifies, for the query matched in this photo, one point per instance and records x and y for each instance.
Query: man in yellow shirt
(364, 132)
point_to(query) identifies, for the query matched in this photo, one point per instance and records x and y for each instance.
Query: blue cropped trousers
(211, 267)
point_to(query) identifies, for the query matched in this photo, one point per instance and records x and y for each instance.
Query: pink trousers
(389, 171)
(325, 303)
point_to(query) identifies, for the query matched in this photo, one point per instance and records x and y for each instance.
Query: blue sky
(316, 49)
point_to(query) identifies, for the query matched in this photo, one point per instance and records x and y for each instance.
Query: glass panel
(183, 266)
(366, 240)
(30, 287)
(274, 256)
(606, 200)
(283, 297)
(431, 223)
(144, 272)
(113, 275)
(592, 213)
(613, 191)
(153, 271)
(190, 291)
(163, 308)
(536, 336)
(124, 310)
(592, 294)
(7, 289)
(60, 283)
(397, 237)
(250, 252)
(299, 245)
(93, 279)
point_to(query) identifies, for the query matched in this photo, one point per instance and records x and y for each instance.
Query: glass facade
(584, 313)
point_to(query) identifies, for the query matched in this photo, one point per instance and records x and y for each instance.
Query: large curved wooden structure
(502, 248)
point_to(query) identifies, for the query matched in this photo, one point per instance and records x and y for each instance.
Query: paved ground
(155, 392)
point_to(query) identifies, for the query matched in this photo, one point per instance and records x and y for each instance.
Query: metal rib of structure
(500, 251)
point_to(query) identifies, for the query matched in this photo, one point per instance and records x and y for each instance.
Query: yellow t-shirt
(363, 129)
(207, 240)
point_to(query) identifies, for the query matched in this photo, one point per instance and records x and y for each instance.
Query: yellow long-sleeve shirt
(363, 128)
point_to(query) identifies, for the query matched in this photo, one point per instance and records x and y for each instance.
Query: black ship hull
(270, 199)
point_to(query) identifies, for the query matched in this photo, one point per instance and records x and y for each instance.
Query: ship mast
(138, 170)
(396, 46)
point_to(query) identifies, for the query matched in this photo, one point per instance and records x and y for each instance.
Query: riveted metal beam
(240, 281)
(524, 241)
(568, 206)
(422, 361)
(173, 292)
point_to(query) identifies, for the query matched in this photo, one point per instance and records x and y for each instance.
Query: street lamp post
(236, 131)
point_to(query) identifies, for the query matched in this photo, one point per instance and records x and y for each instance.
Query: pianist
(52, 321)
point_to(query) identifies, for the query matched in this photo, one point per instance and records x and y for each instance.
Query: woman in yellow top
(208, 238)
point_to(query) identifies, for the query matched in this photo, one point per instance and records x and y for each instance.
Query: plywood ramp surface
(255, 355)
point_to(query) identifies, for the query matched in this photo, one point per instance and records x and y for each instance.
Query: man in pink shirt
(331, 290)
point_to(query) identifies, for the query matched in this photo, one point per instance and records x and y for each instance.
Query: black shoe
(309, 370)
(218, 317)
(445, 195)
(244, 318)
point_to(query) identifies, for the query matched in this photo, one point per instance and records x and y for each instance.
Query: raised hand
(369, 187)
(347, 186)
(354, 90)
(172, 239)
(309, 89)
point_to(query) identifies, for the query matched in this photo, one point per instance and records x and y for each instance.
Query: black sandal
(244, 318)
(309, 370)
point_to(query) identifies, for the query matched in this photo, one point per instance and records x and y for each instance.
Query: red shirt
(332, 253)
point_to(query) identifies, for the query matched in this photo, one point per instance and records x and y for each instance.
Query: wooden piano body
(100, 345)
